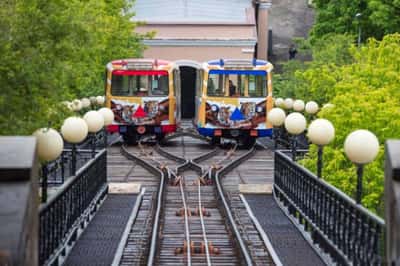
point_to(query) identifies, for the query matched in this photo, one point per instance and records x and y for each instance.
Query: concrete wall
(199, 53)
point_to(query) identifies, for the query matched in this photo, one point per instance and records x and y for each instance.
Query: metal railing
(65, 211)
(62, 168)
(348, 232)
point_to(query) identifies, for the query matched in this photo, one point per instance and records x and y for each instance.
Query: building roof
(193, 11)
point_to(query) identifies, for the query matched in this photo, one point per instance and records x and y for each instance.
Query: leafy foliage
(379, 17)
(363, 85)
(56, 50)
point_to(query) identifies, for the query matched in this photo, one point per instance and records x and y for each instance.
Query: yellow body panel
(224, 100)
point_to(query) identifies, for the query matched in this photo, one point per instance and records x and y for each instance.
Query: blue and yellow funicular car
(234, 99)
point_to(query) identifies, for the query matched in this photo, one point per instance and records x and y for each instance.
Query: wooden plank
(255, 188)
(124, 188)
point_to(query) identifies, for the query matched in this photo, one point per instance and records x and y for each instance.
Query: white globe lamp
(311, 107)
(49, 147)
(328, 106)
(279, 102)
(276, 117)
(295, 124)
(107, 114)
(361, 147)
(76, 105)
(321, 132)
(74, 130)
(93, 100)
(85, 103)
(100, 100)
(49, 144)
(288, 103)
(94, 121)
(298, 105)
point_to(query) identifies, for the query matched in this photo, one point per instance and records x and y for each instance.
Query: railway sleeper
(197, 248)
(192, 212)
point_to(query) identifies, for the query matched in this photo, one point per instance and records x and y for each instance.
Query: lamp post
(49, 146)
(276, 117)
(279, 102)
(76, 105)
(358, 17)
(311, 107)
(85, 103)
(288, 103)
(100, 100)
(95, 122)
(295, 124)
(108, 116)
(74, 130)
(298, 106)
(361, 147)
(321, 132)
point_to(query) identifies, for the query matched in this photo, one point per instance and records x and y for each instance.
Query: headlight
(214, 108)
(259, 109)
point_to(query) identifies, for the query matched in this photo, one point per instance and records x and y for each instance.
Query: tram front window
(139, 86)
(237, 85)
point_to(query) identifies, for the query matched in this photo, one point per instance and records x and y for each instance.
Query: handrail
(69, 182)
(67, 208)
(333, 189)
(347, 231)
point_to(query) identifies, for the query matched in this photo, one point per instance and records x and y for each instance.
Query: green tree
(57, 50)
(379, 17)
(366, 96)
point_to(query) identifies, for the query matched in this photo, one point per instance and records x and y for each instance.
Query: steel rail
(264, 237)
(224, 170)
(187, 230)
(125, 234)
(161, 174)
(186, 134)
(228, 155)
(203, 227)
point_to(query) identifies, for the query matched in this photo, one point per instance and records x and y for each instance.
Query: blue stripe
(218, 62)
(240, 72)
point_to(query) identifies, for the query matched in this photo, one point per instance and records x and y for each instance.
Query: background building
(202, 30)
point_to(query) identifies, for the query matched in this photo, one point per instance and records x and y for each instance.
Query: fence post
(19, 199)
(392, 201)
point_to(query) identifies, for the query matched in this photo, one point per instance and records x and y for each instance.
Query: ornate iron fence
(61, 168)
(62, 215)
(348, 232)
(283, 140)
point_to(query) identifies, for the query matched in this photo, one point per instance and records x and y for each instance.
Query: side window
(257, 86)
(159, 85)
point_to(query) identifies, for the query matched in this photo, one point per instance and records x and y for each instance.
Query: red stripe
(139, 72)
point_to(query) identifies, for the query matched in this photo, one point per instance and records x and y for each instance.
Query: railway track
(193, 221)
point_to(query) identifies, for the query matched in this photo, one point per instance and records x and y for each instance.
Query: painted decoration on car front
(143, 111)
(250, 114)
